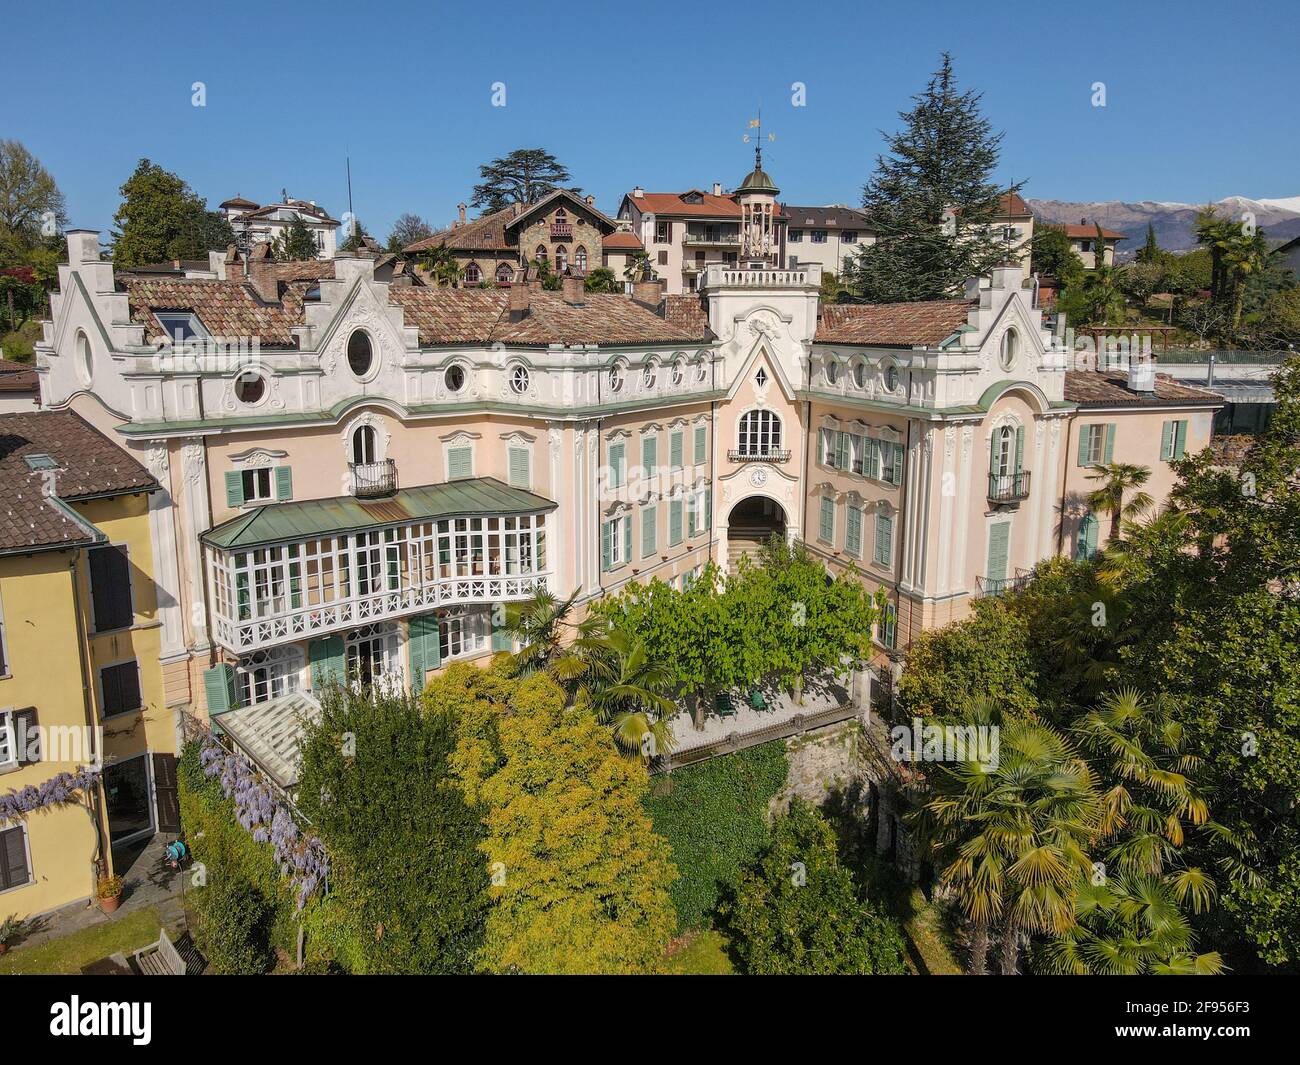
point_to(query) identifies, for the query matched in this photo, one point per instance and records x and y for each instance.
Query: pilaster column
(166, 567)
(198, 508)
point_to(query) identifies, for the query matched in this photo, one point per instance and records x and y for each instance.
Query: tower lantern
(757, 198)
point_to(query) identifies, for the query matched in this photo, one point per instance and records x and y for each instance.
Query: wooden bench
(161, 958)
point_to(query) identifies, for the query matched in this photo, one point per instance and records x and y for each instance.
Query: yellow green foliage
(580, 879)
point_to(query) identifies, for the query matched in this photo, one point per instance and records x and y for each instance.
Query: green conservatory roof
(279, 522)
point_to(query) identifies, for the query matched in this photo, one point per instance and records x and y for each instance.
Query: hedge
(715, 818)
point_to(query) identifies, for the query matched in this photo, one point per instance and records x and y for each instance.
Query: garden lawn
(67, 954)
(701, 954)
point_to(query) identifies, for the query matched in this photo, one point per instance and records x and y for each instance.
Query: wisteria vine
(301, 858)
(56, 791)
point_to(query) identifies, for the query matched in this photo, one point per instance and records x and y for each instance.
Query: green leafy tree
(932, 199)
(540, 625)
(797, 911)
(1150, 251)
(1116, 481)
(234, 927)
(524, 176)
(1051, 255)
(409, 886)
(32, 209)
(626, 689)
(295, 243)
(602, 279)
(161, 218)
(580, 880)
(1237, 253)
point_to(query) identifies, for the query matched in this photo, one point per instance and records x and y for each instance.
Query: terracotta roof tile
(671, 205)
(227, 309)
(89, 464)
(1109, 388)
(622, 241)
(891, 324)
(486, 233)
(1084, 231)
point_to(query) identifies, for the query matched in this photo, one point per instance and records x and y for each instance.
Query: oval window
(85, 364)
(679, 372)
(616, 379)
(648, 375)
(1010, 348)
(832, 372)
(701, 370)
(891, 378)
(361, 355)
(250, 387)
(454, 378)
(519, 380)
(860, 375)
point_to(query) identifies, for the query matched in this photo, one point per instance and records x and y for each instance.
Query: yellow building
(80, 681)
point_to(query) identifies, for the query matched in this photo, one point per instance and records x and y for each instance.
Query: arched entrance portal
(752, 522)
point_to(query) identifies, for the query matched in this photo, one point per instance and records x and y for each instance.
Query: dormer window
(181, 326)
(693, 197)
(40, 462)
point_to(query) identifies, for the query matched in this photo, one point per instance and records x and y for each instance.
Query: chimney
(460, 207)
(638, 192)
(591, 201)
(717, 188)
(572, 289)
(1141, 374)
(259, 269)
(520, 296)
(648, 292)
(83, 245)
(1083, 221)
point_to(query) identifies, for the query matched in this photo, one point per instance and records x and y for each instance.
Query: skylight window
(41, 461)
(182, 325)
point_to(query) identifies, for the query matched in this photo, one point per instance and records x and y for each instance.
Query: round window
(891, 378)
(616, 379)
(519, 380)
(454, 377)
(85, 364)
(648, 375)
(250, 387)
(860, 375)
(1010, 348)
(361, 355)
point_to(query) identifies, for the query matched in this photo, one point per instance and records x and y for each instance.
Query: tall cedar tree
(523, 176)
(932, 200)
(162, 218)
(295, 243)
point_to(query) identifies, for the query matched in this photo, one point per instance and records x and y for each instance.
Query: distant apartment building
(82, 655)
(254, 224)
(825, 235)
(1085, 244)
(684, 233)
(563, 230)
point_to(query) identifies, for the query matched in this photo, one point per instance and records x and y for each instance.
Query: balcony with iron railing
(373, 480)
(1008, 487)
(715, 238)
(770, 454)
(561, 231)
(990, 586)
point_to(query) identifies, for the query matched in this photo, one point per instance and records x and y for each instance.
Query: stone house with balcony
(563, 229)
(355, 473)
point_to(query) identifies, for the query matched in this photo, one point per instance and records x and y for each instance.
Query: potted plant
(110, 893)
(9, 928)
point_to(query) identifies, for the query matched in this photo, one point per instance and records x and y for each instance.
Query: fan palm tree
(1118, 478)
(538, 626)
(638, 268)
(625, 689)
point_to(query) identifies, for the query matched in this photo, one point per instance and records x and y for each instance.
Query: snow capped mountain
(1173, 222)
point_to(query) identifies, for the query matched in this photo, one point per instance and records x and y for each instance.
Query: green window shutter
(283, 483)
(1167, 441)
(841, 451)
(649, 530)
(1109, 456)
(701, 444)
(649, 454)
(827, 530)
(520, 468)
(1085, 434)
(220, 687)
(425, 648)
(617, 465)
(460, 463)
(1020, 448)
(1180, 440)
(993, 451)
(1087, 542)
(675, 449)
(888, 627)
(234, 488)
(897, 449)
(708, 509)
(999, 546)
(605, 549)
(853, 532)
(872, 461)
(328, 665)
(674, 521)
(627, 538)
(884, 551)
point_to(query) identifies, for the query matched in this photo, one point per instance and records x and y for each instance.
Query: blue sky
(1200, 100)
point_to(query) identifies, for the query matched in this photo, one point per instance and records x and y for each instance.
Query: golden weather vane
(757, 124)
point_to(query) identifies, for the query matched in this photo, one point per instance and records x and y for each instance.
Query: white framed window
(269, 674)
(1009, 349)
(519, 379)
(462, 634)
(257, 485)
(650, 374)
(8, 740)
(760, 433)
(473, 275)
(373, 658)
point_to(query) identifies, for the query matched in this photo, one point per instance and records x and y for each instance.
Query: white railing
(723, 276)
(305, 622)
